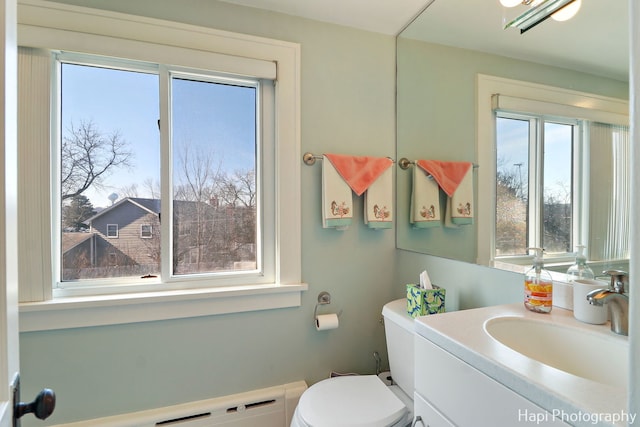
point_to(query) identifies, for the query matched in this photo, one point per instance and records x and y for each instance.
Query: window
(215, 139)
(548, 157)
(256, 263)
(110, 156)
(112, 231)
(535, 195)
(146, 231)
(561, 183)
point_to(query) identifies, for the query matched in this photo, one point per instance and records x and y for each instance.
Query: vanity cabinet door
(428, 414)
(468, 397)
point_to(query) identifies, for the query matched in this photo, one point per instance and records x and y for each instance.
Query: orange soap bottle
(538, 286)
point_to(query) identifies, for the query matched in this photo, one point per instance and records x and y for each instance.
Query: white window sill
(77, 312)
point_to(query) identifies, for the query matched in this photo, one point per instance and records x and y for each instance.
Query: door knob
(41, 407)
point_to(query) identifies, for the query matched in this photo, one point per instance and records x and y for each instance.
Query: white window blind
(34, 94)
(609, 199)
(586, 111)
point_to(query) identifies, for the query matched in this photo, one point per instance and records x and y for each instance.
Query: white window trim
(40, 22)
(534, 214)
(559, 101)
(76, 312)
(142, 226)
(109, 236)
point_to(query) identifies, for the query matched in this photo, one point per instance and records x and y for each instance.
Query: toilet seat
(361, 400)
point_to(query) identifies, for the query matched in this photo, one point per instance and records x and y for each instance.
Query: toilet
(365, 400)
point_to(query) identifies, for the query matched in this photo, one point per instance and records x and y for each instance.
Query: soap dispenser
(538, 286)
(580, 270)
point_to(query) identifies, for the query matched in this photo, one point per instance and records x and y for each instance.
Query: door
(9, 360)
(10, 406)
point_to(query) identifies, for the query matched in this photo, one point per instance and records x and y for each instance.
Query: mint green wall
(347, 107)
(348, 90)
(437, 117)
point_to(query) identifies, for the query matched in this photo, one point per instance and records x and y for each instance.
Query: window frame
(524, 96)
(49, 26)
(579, 187)
(142, 232)
(112, 235)
(265, 143)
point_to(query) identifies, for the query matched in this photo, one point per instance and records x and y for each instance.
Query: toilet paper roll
(326, 321)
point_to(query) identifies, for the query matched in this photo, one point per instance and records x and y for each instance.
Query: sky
(214, 118)
(513, 136)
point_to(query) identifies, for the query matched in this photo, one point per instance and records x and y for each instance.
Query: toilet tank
(398, 328)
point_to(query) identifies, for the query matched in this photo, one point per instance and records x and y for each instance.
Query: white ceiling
(594, 41)
(380, 16)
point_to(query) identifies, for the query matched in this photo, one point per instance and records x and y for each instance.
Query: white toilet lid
(359, 400)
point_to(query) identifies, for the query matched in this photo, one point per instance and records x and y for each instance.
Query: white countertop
(462, 333)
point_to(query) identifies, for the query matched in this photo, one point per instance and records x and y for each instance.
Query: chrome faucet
(616, 299)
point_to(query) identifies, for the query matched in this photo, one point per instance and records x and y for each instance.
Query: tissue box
(421, 302)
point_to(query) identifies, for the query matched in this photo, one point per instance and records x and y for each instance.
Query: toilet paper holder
(324, 298)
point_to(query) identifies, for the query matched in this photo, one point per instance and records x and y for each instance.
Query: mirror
(439, 56)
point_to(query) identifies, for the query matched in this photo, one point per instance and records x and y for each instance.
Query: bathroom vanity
(506, 366)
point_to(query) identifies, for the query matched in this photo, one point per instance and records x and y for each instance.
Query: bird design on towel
(381, 213)
(339, 210)
(428, 213)
(464, 209)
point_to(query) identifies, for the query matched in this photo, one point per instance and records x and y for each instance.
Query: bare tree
(196, 189)
(88, 156)
(130, 190)
(238, 189)
(152, 187)
(511, 210)
(557, 216)
(199, 175)
(214, 213)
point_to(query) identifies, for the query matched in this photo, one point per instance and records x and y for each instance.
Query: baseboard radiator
(268, 407)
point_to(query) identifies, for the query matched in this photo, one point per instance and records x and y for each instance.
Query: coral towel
(359, 172)
(448, 175)
(455, 179)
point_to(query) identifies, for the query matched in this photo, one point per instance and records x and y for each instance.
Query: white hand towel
(460, 204)
(425, 200)
(378, 202)
(337, 199)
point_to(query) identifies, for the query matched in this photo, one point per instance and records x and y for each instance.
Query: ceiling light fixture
(510, 3)
(567, 12)
(539, 12)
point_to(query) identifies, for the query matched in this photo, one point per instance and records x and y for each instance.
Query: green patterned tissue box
(421, 302)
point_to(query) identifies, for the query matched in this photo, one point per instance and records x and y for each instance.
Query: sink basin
(594, 355)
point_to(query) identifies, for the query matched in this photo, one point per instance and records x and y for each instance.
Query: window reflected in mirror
(560, 182)
(534, 192)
